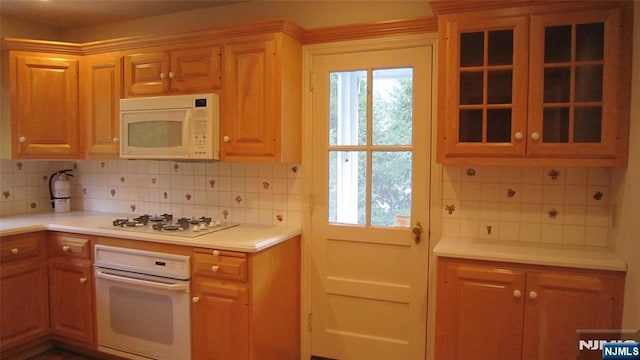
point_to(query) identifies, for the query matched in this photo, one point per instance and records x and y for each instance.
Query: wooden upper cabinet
(487, 67)
(100, 93)
(575, 63)
(44, 106)
(535, 85)
(262, 104)
(161, 72)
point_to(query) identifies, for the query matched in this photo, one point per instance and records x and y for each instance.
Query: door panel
(371, 151)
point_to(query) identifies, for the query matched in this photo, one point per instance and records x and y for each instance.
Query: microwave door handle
(188, 133)
(133, 281)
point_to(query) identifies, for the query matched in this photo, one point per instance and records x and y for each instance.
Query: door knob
(417, 232)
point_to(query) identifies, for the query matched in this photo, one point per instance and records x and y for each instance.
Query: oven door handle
(133, 281)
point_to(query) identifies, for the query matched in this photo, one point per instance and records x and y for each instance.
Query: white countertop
(597, 258)
(245, 237)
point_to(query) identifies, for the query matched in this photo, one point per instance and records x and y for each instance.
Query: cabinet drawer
(70, 245)
(220, 264)
(21, 246)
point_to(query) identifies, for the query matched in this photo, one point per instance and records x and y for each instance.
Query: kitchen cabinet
(246, 306)
(44, 106)
(535, 84)
(261, 99)
(24, 306)
(534, 311)
(162, 72)
(100, 93)
(71, 288)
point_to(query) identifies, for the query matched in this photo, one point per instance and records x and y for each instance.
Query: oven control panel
(143, 262)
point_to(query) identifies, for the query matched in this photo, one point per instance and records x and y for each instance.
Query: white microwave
(170, 127)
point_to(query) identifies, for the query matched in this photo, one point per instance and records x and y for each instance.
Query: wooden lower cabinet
(220, 320)
(24, 307)
(71, 298)
(246, 305)
(493, 310)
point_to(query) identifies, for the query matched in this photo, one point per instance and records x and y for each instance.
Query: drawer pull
(533, 295)
(14, 250)
(195, 299)
(83, 280)
(216, 252)
(517, 293)
(66, 248)
(215, 268)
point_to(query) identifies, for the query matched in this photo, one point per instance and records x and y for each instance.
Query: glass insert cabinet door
(487, 61)
(573, 83)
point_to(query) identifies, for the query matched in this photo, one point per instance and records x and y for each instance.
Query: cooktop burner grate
(167, 224)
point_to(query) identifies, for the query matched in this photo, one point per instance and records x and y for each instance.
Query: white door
(371, 121)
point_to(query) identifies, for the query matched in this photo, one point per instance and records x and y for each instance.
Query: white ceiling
(73, 14)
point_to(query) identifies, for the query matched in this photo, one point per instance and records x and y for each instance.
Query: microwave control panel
(202, 133)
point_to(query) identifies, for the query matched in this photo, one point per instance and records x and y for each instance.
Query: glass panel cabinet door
(572, 83)
(486, 74)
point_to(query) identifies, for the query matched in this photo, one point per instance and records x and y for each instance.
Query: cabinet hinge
(311, 78)
(309, 321)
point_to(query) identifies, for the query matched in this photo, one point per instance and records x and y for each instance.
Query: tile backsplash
(242, 192)
(530, 204)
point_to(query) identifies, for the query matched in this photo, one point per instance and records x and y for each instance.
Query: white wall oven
(142, 302)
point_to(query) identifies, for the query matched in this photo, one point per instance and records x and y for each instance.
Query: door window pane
(588, 124)
(471, 87)
(498, 125)
(589, 82)
(557, 44)
(555, 125)
(391, 188)
(347, 187)
(470, 126)
(499, 84)
(347, 108)
(370, 142)
(590, 42)
(471, 49)
(557, 85)
(501, 47)
(392, 106)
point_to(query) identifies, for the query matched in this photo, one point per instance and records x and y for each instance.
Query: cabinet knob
(226, 139)
(216, 253)
(171, 75)
(83, 280)
(22, 139)
(66, 248)
(215, 268)
(533, 295)
(14, 250)
(163, 76)
(535, 136)
(195, 299)
(116, 140)
(517, 293)
(518, 135)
